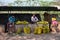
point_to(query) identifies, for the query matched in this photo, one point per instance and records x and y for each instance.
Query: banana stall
(21, 25)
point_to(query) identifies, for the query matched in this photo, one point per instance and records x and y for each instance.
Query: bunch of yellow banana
(38, 30)
(27, 30)
(18, 22)
(18, 30)
(42, 22)
(46, 29)
(45, 22)
(21, 22)
(35, 30)
(25, 22)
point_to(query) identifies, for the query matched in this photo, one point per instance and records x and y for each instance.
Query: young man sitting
(10, 24)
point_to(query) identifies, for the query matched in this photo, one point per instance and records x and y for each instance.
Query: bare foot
(53, 32)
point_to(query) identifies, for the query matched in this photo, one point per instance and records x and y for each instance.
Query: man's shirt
(34, 19)
(11, 19)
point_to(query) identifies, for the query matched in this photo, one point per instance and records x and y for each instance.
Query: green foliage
(40, 2)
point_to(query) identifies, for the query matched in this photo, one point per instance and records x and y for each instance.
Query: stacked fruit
(45, 26)
(18, 22)
(25, 22)
(46, 29)
(37, 30)
(21, 22)
(27, 30)
(18, 31)
(42, 22)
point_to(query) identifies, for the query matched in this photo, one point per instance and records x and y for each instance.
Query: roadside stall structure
(39, 13)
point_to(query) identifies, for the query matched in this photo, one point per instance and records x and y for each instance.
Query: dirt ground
(31, 36)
